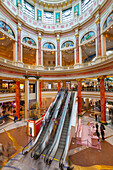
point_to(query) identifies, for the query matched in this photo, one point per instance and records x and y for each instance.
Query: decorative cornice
(97, 21)
(27, 76)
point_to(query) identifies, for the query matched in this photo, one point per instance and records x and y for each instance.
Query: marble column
(37, 94)
(58, 51)
(15, 51)
(18, 99)
(36, 57)
(40, 97)
(98, 38)
(79, 97)
(74, 56)
(19, 54)
(102, 100)
(59, 85)
(77, 48)
(39, 51)
(103, 40)
(26, 98)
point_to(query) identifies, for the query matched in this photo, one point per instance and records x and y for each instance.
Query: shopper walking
(102, 128)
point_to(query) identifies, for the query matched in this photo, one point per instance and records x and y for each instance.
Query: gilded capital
(97, 21)
(101, 77)
(58, 39)
(39, 38)
(76, 34)
(19, 29)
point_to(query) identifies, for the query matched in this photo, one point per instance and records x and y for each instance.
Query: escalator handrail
(69, 131)
(50, 126)
(54, 146)
(46, 116)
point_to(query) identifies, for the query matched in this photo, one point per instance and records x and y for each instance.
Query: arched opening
(67, 53)
(88, 47)
(29, 51)
(6, 41)
(49, 55)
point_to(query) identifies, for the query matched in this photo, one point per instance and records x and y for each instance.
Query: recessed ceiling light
(111, 26)
(107, 30)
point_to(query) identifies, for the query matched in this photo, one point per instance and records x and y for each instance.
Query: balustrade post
(26, 98)
(79, 97)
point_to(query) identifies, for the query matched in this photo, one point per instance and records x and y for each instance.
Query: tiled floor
(79, 155)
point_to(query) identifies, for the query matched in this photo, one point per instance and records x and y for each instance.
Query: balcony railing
(77, 66)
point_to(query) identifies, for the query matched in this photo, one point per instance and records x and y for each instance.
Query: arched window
(29, 41)
(108, 20)
(88, 36)
(49, 45)
(6, 28)
(67, 44)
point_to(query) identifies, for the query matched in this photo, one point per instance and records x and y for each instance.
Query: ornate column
(64, 83)
(58, 51)
(37, 94)
(15, 51)
(19, 53)
(18, 99)
(26, 98)
(79, 97)
(103, 40)
(77, 47)
(39, 50)
(98, 38)
(36, 57)
(102, 100)
(74, 56)
(40, 97)
(59, 85)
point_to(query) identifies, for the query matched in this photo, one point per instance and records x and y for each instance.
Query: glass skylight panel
(29, 9)
(86, 4)
(48, 17)
(67, 15)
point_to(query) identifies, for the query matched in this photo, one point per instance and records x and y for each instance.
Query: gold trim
(39, 38)
(34, 1)
(101, 77)
(66, 3)
(103, 121)
(97, 21)
(53, 6)
(19, 29)
(77, 35)
(58, 39)
(57, 6)
(44, 5)
(48, 5)
(61, 5)
(39, 3)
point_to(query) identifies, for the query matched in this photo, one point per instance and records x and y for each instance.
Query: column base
(19, 63)
(104, 122)
(40, 67)
(58, 68)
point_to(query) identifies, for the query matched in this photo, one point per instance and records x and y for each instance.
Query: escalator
(44, 148)
(43, 129)
(63, 137)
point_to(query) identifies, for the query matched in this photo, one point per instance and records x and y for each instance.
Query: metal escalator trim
(68, 133)
(60, 127)
(41, 130)
(50, 126)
